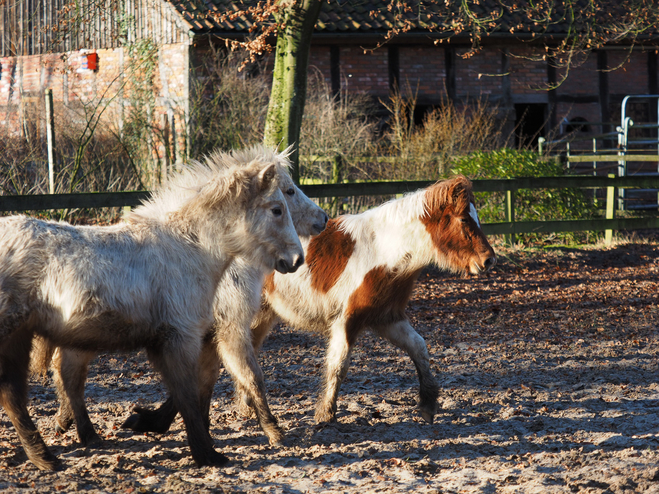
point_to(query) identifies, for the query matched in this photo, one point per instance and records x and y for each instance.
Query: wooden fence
(508, 186)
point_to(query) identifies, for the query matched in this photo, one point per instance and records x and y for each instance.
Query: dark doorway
(530, 120)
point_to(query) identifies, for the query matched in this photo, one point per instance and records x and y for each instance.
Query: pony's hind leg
(14, 364)
(403, 335)
(337, 361)
(70, 373)
(179, 367)
(161, 419)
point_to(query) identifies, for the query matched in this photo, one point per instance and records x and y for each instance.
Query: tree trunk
(289, 80)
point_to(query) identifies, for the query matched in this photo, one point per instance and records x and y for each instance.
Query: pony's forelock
(456, 192)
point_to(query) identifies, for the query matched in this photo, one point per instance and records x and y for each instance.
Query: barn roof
(375, 17)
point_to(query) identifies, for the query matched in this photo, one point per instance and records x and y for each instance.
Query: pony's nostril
(490, 261)
(298, 262)
(282, 266)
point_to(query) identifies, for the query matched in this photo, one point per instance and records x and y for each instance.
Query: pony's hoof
(276, 438)
(324, 415)
(91, 441)
(245, 410)
(131, 422)
(49, 462)
(212, 459)
(428, 416)
(61, 426)
(145, 420)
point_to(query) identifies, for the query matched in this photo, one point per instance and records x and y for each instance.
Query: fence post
(165, 164)
(50, 136)
(510, 215)
(610, 209)
(337, 172)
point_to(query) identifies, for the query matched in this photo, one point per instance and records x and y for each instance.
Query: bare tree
(562, 29)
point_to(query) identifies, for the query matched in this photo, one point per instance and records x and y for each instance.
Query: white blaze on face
(474, 214)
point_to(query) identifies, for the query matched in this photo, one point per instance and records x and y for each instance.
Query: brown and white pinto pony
(359, 275)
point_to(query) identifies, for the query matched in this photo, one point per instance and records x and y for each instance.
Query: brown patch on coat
(454, 233)
(269, 283)
(379, 300)
(328, 255)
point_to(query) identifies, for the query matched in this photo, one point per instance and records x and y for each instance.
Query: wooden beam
(335, 69)
(394, 68)
(598, 157)
(449, 65)
(603, 76)
(555, 226)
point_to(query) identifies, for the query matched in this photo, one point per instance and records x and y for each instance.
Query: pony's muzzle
(284, 266)
(320, 226)
(489, 263)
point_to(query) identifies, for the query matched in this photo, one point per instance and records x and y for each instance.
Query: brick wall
(528, 72)
(365, 72)
(582, 78)
(319, 64)
(631, 74)
(478, 76)
(423, 68)
(77, 91)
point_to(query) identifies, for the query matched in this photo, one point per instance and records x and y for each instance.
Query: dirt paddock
(549, 383)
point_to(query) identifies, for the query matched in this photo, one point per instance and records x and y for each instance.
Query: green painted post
(510, 215)
(610, 210)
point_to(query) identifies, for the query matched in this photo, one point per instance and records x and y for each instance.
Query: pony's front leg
(403, 335)
(179, 366)
(262, 323)
(14, 363)
(337, 361)
(237, 353)
(70, 373)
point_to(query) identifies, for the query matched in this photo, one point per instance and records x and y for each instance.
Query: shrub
(426, 151)
(530, 204)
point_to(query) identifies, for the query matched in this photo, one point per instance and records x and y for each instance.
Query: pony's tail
(41, 356)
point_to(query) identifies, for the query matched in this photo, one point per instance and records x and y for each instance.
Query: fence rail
(508, 186)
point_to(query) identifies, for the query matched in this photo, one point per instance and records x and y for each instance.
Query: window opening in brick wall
(577, 124)
(530, 121)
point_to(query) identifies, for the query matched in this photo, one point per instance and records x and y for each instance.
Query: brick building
(93, 63)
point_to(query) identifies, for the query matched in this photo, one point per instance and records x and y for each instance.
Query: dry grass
(229, 105)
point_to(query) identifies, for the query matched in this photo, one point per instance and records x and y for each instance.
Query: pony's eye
(277, 211)
(291, 191)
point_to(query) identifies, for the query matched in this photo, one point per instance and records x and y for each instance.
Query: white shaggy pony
(147, 282)
(237, 300)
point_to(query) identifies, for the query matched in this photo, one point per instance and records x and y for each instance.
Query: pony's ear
(267, 177)
(460, 193)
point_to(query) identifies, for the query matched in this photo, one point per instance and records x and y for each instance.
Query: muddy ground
(549, 383)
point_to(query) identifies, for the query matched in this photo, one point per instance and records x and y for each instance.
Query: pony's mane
(186, 185)
(456, 191)
(414, 205)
